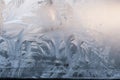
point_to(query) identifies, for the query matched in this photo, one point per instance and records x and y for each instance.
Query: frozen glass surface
(59, 38)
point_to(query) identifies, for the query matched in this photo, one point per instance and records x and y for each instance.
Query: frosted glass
(59, 39)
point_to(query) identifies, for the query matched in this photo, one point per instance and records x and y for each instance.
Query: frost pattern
(36, 43)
